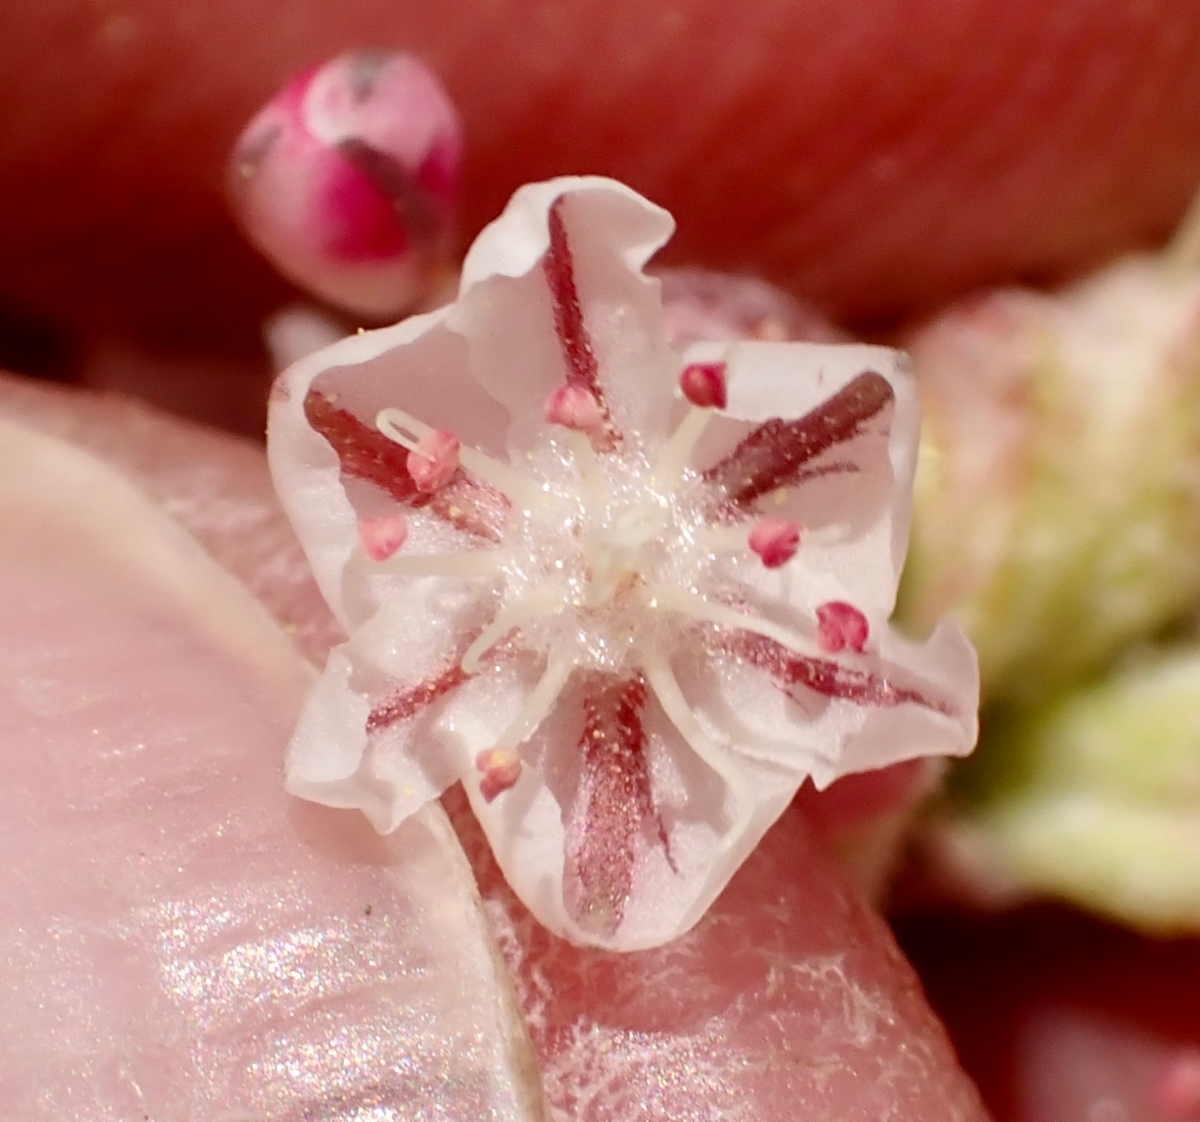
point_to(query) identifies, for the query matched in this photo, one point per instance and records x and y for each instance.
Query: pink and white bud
(433, 464)
(381, 537)
(775, 540)
(348, 181)
(501, 768)
(703, 384)
(841, 626)
(574, 407)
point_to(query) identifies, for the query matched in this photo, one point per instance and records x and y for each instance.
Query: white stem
(674, 458)
(524, 610)
(560, 665)
(675, 705)
(407, 431)
(591, 477)
(693, 604)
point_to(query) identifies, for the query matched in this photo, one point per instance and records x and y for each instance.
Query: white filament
(591, 478)
(677, 452)
(528, 608)
(675, 705)
(560, 665)
(407, 431)
(693, 604)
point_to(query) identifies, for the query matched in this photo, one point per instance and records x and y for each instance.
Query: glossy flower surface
(577, 622)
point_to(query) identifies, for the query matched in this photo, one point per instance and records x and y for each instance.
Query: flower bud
(1057, 508)
(348, 181)
(1093, 798)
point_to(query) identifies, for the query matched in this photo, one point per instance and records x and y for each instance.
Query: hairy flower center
(619, 553)
(583, 563)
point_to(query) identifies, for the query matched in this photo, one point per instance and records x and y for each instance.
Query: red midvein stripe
(612, 805)
(365, 453)
(583, 368)
(774, 455)
(408, 701)
(824, 676)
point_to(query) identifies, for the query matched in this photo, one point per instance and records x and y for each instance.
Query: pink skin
(868, 167)
(1177, 1093)
(718, 1018)
(181, 939)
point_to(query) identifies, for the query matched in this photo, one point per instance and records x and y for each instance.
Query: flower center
(621, 552)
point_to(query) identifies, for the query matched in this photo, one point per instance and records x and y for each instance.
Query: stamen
(434, 461)
(775, 540)
(467, 564)
(841, 625)
(697, 607)
(530, 607)
(574, 407)
(559, 668)
(364, 452)
(382, 536)
(704, 385)
(666, 688)
(407, 431)
(501, 770)
(591, 478)
(673, 460)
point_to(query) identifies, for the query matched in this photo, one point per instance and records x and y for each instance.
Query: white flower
(632, 625)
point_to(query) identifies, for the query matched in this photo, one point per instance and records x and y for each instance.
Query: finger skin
(874, 155)
(178, 939)
(788, 1001)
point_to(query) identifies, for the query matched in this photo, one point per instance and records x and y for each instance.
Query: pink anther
(501, 768)
(703, 384)
(841, 625)
(380, 537)
(775, 540)
(435, 460)
(574, 407)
